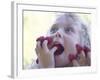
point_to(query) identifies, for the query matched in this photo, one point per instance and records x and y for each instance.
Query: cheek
(70, 44)
(74, 38)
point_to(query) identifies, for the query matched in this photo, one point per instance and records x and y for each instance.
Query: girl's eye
(68, 29)
(54, 29)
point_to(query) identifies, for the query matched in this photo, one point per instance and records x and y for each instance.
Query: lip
(56, 42)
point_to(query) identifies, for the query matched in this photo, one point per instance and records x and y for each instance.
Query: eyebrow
(54, 25)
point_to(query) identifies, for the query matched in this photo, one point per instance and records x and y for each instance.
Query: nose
(58, 35)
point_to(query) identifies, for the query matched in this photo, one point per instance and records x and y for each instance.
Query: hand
(83, 59)
(45, 56)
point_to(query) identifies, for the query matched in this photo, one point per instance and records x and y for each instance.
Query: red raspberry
(86, 50)
(78, 48)
(49, 40)
(72, 57)
(41, 39)
(59, 50)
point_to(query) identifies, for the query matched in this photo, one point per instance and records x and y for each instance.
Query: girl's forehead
(61, 19)
(63, 22)
(65, 19)
(62, 25)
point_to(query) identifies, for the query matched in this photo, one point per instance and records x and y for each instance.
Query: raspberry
(86, 50)
(59, 50)
(49, 40)
(78, 48)
(41, 39)
(72, 57)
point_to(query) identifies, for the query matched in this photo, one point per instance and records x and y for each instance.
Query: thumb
(53, 50)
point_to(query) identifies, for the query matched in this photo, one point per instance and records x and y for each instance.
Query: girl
(69, 31)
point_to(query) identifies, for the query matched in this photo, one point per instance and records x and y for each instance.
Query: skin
(67, 35)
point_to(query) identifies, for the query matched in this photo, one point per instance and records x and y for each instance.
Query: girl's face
(66, 34)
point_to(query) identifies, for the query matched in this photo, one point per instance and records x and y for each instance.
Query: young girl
(69, 31)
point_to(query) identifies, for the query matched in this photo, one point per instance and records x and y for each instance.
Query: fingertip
(45, 45)
(45, 42)
(53, 50)
(83, 53)
(36, 51)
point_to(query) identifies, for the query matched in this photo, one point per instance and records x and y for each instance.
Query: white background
(5, 40)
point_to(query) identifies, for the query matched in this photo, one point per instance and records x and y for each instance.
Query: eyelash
(68, 30)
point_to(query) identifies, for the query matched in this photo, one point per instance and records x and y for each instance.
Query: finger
(88, 59)
(36, 51)
(82, 54)
(88, 55)
(38, 45)
(53, 50)
(75, 63)
(45, 47)
(86, 50)
(82, 59)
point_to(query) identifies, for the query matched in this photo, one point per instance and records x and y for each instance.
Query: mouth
(59, 50)
(52, 44)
